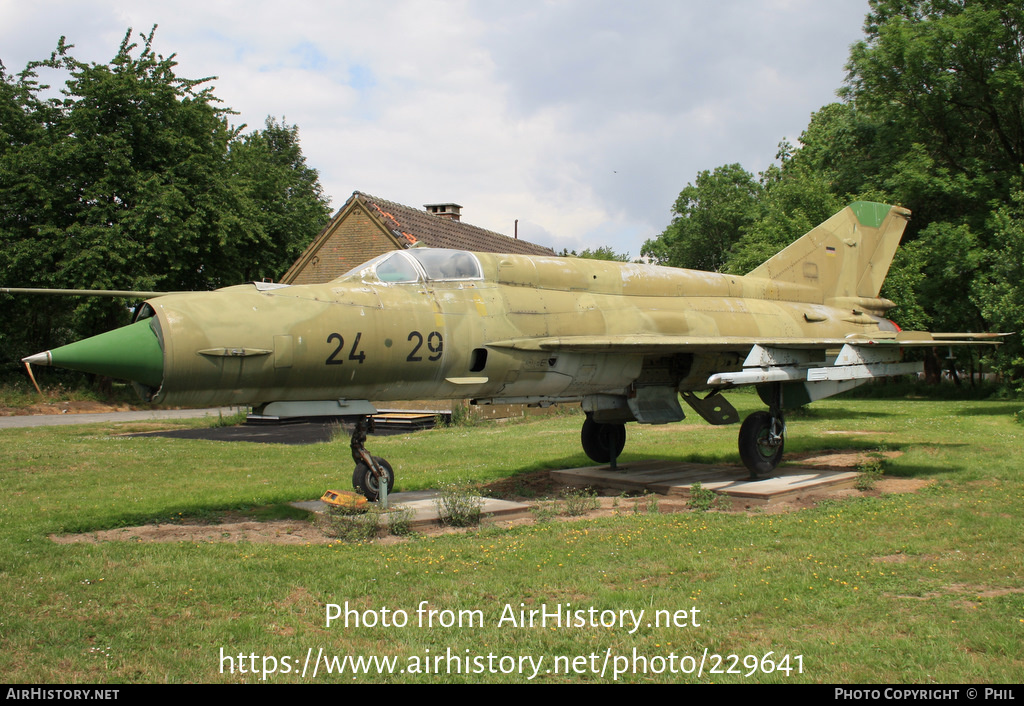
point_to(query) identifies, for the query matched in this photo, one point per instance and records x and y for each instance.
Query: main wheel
(602, 442)
(760, 445)
(364, 480)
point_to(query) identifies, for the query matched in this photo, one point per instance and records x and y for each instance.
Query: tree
(288, 204)
(950, 75)
(601, 253)
(709, 217)
(27, 183)
(793, 200)
(999, 290)
(134, 179)
(932, 118)
(947, 78)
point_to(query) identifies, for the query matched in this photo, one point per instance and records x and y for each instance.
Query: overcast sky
(583, 119)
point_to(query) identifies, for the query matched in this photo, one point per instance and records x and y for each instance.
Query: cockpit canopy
(431, 264)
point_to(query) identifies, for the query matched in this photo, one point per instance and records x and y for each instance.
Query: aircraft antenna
(28, 367)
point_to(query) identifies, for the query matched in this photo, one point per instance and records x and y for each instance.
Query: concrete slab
(672, 478)
(424, 504)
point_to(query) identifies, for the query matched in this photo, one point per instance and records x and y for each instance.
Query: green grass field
(910, 588)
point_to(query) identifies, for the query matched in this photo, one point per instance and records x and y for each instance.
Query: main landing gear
(371, 471)
(761, 442)
(762, 435)
(603, 443)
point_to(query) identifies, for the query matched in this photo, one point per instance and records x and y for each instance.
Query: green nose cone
(128, 353)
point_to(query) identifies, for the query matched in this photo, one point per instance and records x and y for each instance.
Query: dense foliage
(932, 118)
(602, 253)
(133, 178)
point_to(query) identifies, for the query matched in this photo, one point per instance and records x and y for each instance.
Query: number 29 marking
(435, 344)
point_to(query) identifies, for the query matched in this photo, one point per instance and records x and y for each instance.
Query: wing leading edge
(656, 343)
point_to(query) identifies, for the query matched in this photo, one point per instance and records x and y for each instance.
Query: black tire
(602, 442)
(366, 482)
(757, 454)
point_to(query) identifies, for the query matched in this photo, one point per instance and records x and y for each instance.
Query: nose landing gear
(373, 476)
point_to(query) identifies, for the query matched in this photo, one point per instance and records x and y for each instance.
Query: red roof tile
(439, 232)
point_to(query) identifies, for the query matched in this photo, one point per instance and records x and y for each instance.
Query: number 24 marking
(332, 359)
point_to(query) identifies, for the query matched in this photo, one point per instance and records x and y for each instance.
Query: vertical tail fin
(847, 256)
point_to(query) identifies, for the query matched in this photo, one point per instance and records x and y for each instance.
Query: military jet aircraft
(625, 341)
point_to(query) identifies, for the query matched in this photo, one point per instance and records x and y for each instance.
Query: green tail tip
(870, 214)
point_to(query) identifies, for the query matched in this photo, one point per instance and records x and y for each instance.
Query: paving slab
(674, 478)
(424, 504)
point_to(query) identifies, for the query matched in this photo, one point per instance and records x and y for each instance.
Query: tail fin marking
(846, 256)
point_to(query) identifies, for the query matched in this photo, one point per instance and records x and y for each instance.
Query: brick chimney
(452, 211)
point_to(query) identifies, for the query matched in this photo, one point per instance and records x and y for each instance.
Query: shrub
(579, 501)
(702, 499)
(458, 505)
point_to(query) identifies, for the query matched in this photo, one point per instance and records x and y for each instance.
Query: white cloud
(582, 118)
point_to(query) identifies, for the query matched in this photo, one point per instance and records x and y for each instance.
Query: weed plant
(579, 501)
(368, 522)
(701, 499)
(353, 524)
(399, 521)
(231, 420)
(544, 512)
(648, 503)
(463, 415)
(870, 471)
(459, 505)
(338, 434)
(18, 392)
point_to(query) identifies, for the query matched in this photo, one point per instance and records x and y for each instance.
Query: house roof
(368, 226)
(410, 225)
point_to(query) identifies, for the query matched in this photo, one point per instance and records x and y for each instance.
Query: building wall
(352, 240)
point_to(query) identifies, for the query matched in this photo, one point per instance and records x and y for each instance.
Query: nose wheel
(373, 476)
(366, 481)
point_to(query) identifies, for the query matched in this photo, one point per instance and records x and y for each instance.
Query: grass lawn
(912, 588)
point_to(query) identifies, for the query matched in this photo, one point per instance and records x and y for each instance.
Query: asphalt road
(49, 420)
(287, 432)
